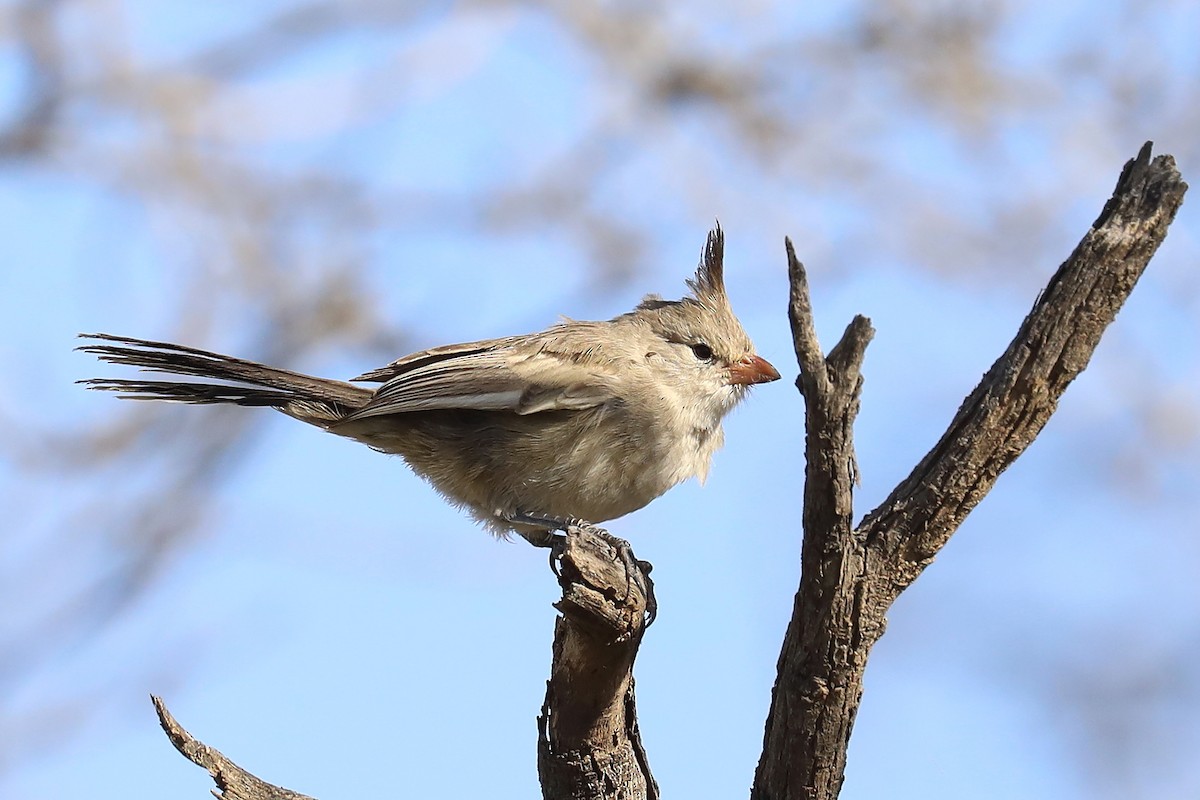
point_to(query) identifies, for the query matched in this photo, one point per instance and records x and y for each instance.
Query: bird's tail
(319, 401)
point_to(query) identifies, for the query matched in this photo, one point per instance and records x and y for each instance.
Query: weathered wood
(851, 575)
(233, 782)
(589, 747)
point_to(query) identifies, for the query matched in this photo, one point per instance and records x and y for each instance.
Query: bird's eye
(702, 351)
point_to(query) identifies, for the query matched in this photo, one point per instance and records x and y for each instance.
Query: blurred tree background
(327, 185)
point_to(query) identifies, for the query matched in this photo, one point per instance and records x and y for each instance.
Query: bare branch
(804, 329)
(1017, 396)
(589, 746)
(851, 576)
(233, 781)
(820, 667)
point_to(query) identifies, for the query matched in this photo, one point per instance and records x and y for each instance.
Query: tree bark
(851, 575)
(589, 747)
(233, 782)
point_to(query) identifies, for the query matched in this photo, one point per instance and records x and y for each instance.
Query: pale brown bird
(582, 421)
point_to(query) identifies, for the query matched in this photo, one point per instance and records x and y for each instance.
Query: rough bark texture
(588, 742)
(825, 647)
(233, 782)
(851, 575)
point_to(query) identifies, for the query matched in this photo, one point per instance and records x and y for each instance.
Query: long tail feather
(184, 392)
(317, 400)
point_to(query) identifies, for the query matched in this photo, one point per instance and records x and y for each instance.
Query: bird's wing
(518, 374)
(435, 355)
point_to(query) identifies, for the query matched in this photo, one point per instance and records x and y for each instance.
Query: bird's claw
(636, 571)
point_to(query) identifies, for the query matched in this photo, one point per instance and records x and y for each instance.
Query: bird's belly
(594, 465)
(603, 478)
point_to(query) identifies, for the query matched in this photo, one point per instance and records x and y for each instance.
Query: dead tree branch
(851, 575)
(233, 782)
(589, 747)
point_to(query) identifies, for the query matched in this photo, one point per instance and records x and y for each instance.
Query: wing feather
(434, 355)
(512, 374)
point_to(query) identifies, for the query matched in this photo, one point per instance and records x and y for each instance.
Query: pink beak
(751, 370)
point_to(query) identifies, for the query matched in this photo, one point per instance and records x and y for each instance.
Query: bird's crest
(710, 276)
(707, 285)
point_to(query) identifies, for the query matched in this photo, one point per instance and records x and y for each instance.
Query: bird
(582, 422)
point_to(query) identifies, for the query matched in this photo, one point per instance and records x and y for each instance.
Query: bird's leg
(547, 534)
(635, 570)
(550, 522)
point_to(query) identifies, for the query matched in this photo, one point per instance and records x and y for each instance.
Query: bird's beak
(750, 370)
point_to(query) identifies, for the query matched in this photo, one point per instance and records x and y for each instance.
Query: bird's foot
(636, 572)
(547, 534)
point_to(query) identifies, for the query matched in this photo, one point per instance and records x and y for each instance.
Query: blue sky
(335, 628)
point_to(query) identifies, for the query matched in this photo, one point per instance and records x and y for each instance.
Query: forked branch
(851, 575)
